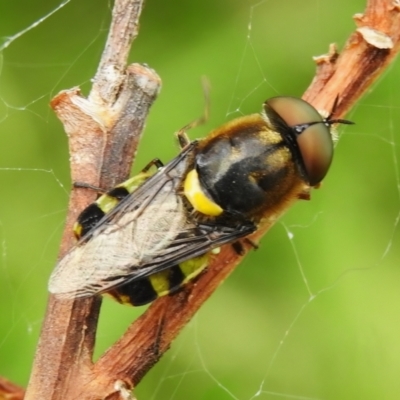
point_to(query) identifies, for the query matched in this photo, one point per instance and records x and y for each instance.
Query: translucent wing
(147, 232)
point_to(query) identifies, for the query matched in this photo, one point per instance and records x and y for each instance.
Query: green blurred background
(265, 332)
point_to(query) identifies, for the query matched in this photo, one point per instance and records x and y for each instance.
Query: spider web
(313, 313)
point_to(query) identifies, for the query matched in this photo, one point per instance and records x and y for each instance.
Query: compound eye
(313, 136)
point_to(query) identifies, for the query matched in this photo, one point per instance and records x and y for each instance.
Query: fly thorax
(247, 172)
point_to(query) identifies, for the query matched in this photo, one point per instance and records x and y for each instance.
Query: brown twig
(110, 120)
(10, 391)
(100, 132)
(368, 51)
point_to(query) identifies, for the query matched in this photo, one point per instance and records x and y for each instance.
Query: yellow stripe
(106, 203)
(197, 197)
(192, 268)
(161, 283)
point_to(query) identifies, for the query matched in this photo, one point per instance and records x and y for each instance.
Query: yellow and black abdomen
(144, 290)
(169, 281)
(95, 212)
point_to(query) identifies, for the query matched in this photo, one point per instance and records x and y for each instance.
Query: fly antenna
(182, 136)
(330, 121)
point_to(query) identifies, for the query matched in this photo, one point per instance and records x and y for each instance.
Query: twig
(109, 121)
(367, 52)
(10, 391)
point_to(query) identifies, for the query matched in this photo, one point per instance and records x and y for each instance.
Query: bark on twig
(367, 52)
(109, 121)
(10, 391)
(103, 131)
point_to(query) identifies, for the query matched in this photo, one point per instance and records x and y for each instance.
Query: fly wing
(140, 225)
(148, 231)
(120, 247)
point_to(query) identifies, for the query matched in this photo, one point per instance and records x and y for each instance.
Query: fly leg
(181, 135)
(156, 162)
